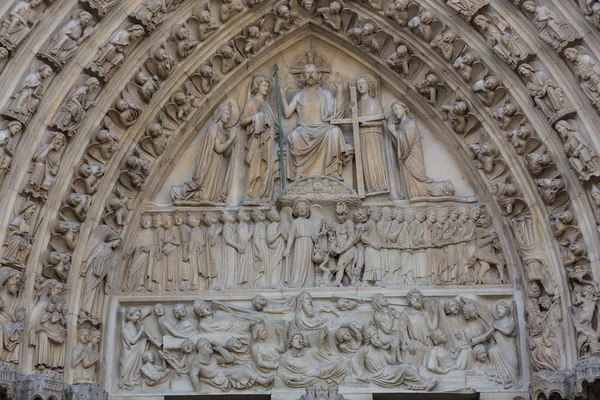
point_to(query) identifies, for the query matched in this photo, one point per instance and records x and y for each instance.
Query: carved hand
(338, 82)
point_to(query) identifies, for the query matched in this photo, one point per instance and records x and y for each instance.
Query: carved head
(135, 31)
(84, 18)
(243, 216)
(346, 304)
(234, 344)
(302, 209)
(379, 302)
(307, 4)
(432, 216)
(258, 331)
(210, 218)
(273, 215)
(386, 213)
(564, 129)
(146, 221)
(335, 7)
(451, 307)
(133, 314)
(156, 220)
(343, 335)
(529, 6)
(167, 221)
(415, 299)
(526, 70)
(398, 214)
(481, 22)
(179, 311)
(148, 357)
(187, 346)
(114, 239)
(371, 336)
(95, 337)
(296, 341)
(44, 71)
(3, 53)
(480, 352)
(571, 54)
(84, 335)
(545, 302)
(260, 84)
(92, 84)
(159, 310)
(311, 75)
(204, 347)
(202, 309)
(399, 109)
(359, 216)
(470, 311)
(492, 82)
(374, 213)
(363, 86)
(450, 36)
(57, 140)
(193, 221)
(182, 33)
(223, 113)
(305, 304)
(14, 127)
(421, 216)
(534, 290)
(438, 337)
(503, 309)
(282, 11)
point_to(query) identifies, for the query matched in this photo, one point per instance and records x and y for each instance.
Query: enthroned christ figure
(315, 146)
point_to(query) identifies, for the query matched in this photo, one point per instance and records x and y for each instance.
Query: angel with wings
(287, 17)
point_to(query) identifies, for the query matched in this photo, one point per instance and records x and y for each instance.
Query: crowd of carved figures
(545, 93)
(268, 249)
(225, 346)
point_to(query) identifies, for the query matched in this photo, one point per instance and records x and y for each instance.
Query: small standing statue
(301, 239)
(28, 95)
(545, 92)
(371, 139)
(97, 276)
(211, 179)
(557, 34)
(411, 158)
(261, 132)
(46, 161)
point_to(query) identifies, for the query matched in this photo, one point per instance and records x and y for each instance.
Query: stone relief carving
(19, 22)
(588, 72)
(112, 54)
(46, 161)
(9, 135)
(467, 8)
(72, 113)
(582, 159)
(65, 44)
(152, 13)
(86, 355)
(553, 31)
(102, 7)
(28, 94)
(505, 44)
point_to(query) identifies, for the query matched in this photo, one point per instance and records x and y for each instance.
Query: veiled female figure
(228, 270)
(134, 339)
(558, 34)
(386, 319)
(45, 166)
(546, 93)
(246, 266)
(371, 139)
(301, 240)
(276, 240)
(214, 249)
(261, 131)
(503, 349)
(411, 158)
(211, 179)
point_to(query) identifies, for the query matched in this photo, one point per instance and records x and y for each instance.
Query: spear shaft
(280, 128)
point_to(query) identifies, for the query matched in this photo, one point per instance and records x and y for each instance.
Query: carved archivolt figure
(503, 42)
(589, 74)
(112, 54)
(550, 188)
(72, 114)
(230, 8)
(544, 90)
(421, 25)
(46, 162)
(261, 132)
(7, 145)
(410, 156)
(229, 58)
(65, 44)
(444, 43)
(558, 34)
(28, 94)
(211, 179)
(428, 87)
(49, 336)
(398, 11)
(504, 114)
(466, 8)
(103, 7)
(398, 60)
(315, 146)
(464, 65)
(162, 63)
(287, 18)
(332, 14)
(19, 23)
(97, 275)
(186, 41)
(485, 89)
(147, 85)
(378, 362)
(86, 355)
(371, 139)
(582, 157)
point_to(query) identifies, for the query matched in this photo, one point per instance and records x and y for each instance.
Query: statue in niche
(300, 247)
(229, 58)
(485, 88)
(170, 245)
(299, 367)
(411, 158)
(585, 304)
(399, 59)
(543, 323)
(12, 322)
(260, 249)
(331, 14)
(102, 7)
(229, 9)
(211, 179)
(207, 367)
(89, 177)
(421, 25)
(371, 139)
(65, 44)
(266, 355)
(417, 324)
(162, 63)
(46, 161)
(501, 39)
(442, 360)
(97, 276)
(378, 363)
(19, 22)
(464, 65)
(444, 43)
(582, 157)
(141, 254)
(370, 237)
(287, 17)
(589, 74)
(112, 54)
(151, 373)
(8, 145)
(557, 34)
(17, 245)
(398, 11)
(134, 339)
(316, 147)
(549, 189)
(57, 265)
(545, 92)
(214, 249)
(86, 355)
(186, 41)
(49, 337)
(126, 112)
(466, 8)
(276, 241)
(247, 273)
(261, 134)
(27, 96)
